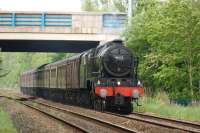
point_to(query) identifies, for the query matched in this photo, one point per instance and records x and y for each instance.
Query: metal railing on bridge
(109, 20)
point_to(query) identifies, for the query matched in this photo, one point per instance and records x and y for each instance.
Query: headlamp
(118, 83)
(103, 93)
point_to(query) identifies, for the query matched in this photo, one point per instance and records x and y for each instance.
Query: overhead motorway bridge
(57, 32)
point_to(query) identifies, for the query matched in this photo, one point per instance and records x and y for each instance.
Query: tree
(120, 5)
(89, 5)
(3, 72)
(17, 63)
(166, 37)
(59, 56)
(104, 5)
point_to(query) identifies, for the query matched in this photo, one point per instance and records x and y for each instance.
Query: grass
(159, 105)
(6, 125)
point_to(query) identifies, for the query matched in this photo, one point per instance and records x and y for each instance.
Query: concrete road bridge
(57, 32)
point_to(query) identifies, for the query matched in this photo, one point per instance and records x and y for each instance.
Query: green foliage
(120, 5)
(6, 123)
(88, 5)
(166, 37)
(59, 56)
(159, 105)
(104, 5)
(17, 63)
(3, 72)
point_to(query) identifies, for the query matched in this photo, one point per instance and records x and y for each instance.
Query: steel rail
(48, 114)
(168, 123)
(57, 118)
(158, 122)
(185, 123)
(105, 123)
(102, 122)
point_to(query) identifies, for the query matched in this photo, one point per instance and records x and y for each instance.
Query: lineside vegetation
(6, 125)
(166, 37)
(159, 105)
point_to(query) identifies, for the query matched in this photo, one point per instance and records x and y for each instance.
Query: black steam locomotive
(101, 78)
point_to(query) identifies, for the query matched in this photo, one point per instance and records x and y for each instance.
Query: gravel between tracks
(27, 120)
(136, 125)
(91, 126)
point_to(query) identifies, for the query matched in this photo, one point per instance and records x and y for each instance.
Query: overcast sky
(40, 5)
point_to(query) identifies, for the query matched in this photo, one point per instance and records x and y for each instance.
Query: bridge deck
(68, 27)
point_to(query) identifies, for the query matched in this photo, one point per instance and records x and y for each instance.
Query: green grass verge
(160, 106)
(6, 125)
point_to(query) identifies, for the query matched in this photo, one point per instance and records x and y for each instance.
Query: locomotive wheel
(103, 105)
(127, 109)
(99, 104)
(95, 104)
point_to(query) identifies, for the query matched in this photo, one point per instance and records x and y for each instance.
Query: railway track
(80, 121)
(170, 120)
(162, 123)
(20, 101)
(186, 126)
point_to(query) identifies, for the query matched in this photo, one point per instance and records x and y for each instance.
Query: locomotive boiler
(103, 78)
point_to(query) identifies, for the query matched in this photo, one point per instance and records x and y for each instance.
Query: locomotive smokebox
(117, 60)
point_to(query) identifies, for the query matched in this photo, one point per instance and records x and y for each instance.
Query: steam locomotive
(103, 78)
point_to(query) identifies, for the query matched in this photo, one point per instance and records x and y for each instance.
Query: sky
(40, 5)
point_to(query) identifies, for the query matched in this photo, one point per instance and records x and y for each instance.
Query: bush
(166, 38)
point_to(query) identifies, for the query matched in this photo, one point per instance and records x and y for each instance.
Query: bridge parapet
(69, 23)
